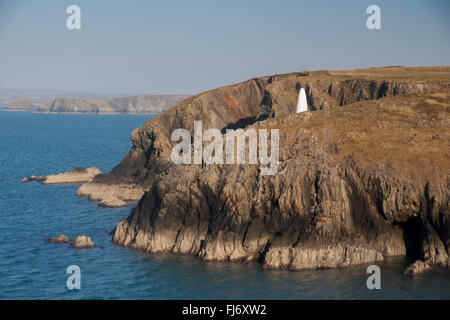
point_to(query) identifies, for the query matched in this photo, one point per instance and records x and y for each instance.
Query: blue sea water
(38, 144)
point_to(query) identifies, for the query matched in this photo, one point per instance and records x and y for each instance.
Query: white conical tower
(302, 104)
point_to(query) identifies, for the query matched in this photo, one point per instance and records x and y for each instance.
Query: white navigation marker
(302, 104)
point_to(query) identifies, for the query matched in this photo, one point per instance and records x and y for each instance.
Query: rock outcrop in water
(59, 239)
(362, 176)
(77, 175)
(151, 104)
(33, 178)
(112, 202)
(82, 242)
(112, 196)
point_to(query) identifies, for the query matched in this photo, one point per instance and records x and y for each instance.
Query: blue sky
(185, 47)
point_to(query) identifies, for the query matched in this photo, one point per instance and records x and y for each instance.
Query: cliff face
(20, 104)
(362, 176)
(137, 104)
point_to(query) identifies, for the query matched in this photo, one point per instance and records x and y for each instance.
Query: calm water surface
(33, 269)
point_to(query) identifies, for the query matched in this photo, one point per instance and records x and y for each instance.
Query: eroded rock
(108, 193)
(77, 175)
(34, 178)
(112, 203)
(59, 239)
(82, 242)
(417, 267)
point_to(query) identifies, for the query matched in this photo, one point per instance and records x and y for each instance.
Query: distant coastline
(92, 113)
(144, 104)
(20, 104)
(83, 113)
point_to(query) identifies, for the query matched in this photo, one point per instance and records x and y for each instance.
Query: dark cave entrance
(413, 234)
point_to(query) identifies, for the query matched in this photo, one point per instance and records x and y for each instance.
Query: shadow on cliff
(413, 236)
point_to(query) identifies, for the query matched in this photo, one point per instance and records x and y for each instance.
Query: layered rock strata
(362, 176)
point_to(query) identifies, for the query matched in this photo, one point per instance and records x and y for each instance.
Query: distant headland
(20, 104)
(149, 104)
(140, 104)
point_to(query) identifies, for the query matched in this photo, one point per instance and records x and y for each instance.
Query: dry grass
(416, 73)
(407, 130)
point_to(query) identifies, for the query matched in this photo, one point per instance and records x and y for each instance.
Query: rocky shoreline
(363, 175)
(356, 183)
(108, 195)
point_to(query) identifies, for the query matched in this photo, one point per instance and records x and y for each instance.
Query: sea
(30, 268)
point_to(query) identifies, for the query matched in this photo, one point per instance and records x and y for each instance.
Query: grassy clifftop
(409, 129)
(362, 175)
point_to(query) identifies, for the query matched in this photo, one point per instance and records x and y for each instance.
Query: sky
(186, 47)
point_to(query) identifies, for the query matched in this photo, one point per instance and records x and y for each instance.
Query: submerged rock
(82, 242)
(59, 239)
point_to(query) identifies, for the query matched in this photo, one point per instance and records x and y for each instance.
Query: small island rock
(59, 239)
(82, 242)
(77, 175)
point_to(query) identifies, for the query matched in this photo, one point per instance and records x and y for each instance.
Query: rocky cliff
(151, 104)
(362, 175)
(20, 104)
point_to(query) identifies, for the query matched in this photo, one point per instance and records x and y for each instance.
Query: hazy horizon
(81, 94)
(179, 47)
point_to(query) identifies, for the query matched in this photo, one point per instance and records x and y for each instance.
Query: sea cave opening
(413, 234)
